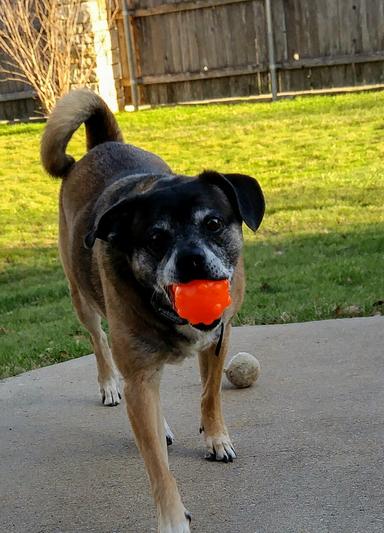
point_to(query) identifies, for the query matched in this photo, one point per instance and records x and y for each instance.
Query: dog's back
(108, 159)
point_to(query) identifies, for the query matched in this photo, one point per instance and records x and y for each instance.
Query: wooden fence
(211, 49)
(20, 104)
(16, 99)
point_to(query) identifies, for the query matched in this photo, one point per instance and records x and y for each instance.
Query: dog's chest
(197, 340)
(188, 342)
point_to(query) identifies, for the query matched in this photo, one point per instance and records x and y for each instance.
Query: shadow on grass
(37, 324)
(314, 277)
(289, 279)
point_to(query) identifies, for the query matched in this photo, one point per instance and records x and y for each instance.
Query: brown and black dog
(129, 229)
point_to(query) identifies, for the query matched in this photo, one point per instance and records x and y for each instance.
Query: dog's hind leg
(107, 374)
(218, 443)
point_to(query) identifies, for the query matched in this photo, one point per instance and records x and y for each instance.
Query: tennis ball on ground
(243, 370)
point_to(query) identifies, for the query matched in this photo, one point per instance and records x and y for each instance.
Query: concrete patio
(309, 437)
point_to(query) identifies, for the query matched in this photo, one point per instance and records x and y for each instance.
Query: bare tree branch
(44, 47)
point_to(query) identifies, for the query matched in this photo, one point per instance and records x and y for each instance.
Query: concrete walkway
(309, 435)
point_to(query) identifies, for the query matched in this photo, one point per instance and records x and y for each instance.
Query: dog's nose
(191, 264)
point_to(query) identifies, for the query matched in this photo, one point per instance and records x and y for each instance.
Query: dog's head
(175, 229)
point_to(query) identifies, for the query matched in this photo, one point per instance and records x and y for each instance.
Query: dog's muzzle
(166, 311)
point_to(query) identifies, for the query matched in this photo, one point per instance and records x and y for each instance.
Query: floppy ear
(243, 192)
(105, 226)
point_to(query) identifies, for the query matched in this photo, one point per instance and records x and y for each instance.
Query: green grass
(318, 255)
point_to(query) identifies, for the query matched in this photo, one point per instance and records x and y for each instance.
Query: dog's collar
(220, 341)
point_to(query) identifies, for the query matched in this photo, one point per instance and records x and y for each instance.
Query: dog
(130, 228)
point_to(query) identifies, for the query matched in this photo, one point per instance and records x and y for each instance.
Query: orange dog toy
(201, 301)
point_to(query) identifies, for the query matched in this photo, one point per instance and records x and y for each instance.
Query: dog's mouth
(170, 292)
(164, 305)
(207, 327)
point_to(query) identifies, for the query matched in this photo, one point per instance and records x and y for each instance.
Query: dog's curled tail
(81, 105)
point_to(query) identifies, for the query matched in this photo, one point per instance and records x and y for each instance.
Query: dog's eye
(158, 240)
(213, 224)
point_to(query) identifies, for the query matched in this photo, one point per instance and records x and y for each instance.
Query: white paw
(170, 437)
(110, 392)
(169, 526)
(219, 448)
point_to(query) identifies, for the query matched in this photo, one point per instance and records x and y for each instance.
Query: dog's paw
(171, 526)
(110, 392)
(219, 448)
(169, 436)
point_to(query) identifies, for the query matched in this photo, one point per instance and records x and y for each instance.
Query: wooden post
(129, 41)
(271, 49)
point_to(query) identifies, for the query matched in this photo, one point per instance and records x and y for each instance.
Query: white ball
(243, 370)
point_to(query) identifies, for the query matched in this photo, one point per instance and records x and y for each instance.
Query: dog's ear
(106, 225)
(243, 192)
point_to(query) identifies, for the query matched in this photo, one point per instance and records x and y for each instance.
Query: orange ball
(201, 301)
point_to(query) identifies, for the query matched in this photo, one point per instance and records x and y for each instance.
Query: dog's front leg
(144, 411)
(218, 443)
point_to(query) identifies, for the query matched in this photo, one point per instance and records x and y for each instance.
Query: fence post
(128, 33)
(271, 49)
(96, 13)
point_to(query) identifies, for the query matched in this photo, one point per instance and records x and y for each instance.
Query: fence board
(218, 48)
(192, 45)
(176, 7)
(337, 42)
(17, 100)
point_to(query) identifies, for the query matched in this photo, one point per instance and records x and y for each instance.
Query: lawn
(318, 254)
